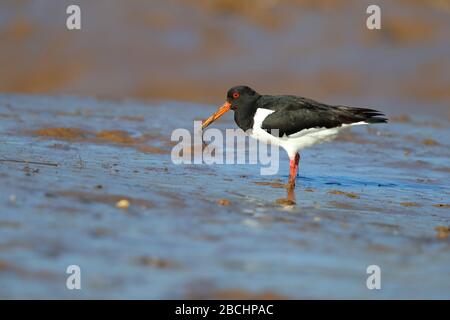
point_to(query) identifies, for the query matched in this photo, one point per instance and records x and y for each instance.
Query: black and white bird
(292, 122)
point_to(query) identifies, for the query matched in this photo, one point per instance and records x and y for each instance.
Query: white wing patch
(296, 141)
(260, 115)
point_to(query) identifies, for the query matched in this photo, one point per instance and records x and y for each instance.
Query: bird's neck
(244, 114)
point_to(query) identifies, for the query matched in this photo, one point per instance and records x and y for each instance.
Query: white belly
(296, 141)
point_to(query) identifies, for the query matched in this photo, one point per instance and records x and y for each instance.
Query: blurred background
(194, 50)
(377, 195)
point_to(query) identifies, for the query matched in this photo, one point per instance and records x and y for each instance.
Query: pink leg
(297, 160)
(293, 170)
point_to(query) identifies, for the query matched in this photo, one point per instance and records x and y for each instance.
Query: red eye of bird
(235, 95)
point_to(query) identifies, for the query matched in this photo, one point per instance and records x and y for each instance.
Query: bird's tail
(365, 114)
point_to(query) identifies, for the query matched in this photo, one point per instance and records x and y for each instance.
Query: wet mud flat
(91, 183)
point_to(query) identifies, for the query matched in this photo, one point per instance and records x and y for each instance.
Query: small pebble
(12, 199)
(442, 232)
(123, 204)
(223, 202)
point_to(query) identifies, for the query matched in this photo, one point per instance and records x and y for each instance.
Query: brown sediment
(437, 91)
(133, 118)
(19, 30)
(429, 142)
(430, 83)
(150, 149)
(379, 248)
(442, 205)
(246, 295)
(404, 118)
(100, 232)
(168, 143)
(148, 261)
(62, 133)
(10, 225)
(309, 190)
(347, 194)
(47, 73)
(440, 5)
(223, 202)
(253, 11)
(117, 137)
(442, 232)
(78, 113)
(337, 81)
(89, 197)
(6, 266)
(271, 184)
(410, 204)
(235, 294)
(443, 169)
(402, 31)
(343, 205)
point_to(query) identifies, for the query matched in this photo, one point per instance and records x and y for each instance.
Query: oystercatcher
(291, 122)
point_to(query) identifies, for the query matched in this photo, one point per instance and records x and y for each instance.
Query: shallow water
(373, 196)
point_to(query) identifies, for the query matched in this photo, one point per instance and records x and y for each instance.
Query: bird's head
(237, 98)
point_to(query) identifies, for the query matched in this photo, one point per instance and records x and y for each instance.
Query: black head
(242, 100)
(240, 96)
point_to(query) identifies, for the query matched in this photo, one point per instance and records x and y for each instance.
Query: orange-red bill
(222, 110)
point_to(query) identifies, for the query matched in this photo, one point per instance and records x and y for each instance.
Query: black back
(293, 114)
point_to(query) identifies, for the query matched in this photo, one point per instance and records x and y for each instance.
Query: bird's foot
(289, 201)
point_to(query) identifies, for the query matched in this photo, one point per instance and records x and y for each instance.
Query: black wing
(293, 114)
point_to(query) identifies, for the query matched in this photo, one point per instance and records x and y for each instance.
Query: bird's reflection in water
(289, 201)
(290, 190)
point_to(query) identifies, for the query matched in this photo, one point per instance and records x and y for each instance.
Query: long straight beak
(222, 110)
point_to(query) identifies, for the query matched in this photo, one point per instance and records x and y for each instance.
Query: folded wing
(294, 114)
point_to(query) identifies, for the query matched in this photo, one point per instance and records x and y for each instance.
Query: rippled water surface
(373, 196)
